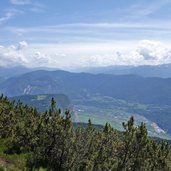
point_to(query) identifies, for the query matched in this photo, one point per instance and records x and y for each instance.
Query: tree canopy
(53, 143)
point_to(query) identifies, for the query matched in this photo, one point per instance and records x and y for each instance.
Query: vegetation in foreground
(30, 140)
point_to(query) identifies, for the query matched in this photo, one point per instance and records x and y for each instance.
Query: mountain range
(128, 87)
(163, 71)
(102, 97)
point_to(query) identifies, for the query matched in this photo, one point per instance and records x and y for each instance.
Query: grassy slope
(14, 162)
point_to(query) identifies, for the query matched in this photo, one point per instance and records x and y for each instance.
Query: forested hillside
(48, 141)
(42, 101)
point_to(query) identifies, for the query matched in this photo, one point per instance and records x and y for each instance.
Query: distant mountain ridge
(128, 87)
(163, 71)
(7, 72)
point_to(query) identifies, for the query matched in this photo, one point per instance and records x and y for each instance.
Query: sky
(70, 34)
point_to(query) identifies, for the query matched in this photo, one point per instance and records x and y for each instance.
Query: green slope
(42, 101)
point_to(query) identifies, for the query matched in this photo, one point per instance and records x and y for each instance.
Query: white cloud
(164, 25)
(96, 32)
(20, 2)
(69, 56)
(142, 9)
(37, 9)
(154, 52)
(12, 55)
(7, 16)
(22, 45)
(33, 6)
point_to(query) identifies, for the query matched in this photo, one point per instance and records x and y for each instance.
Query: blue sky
(67, 28)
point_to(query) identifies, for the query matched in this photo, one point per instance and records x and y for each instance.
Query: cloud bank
(71, 56)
